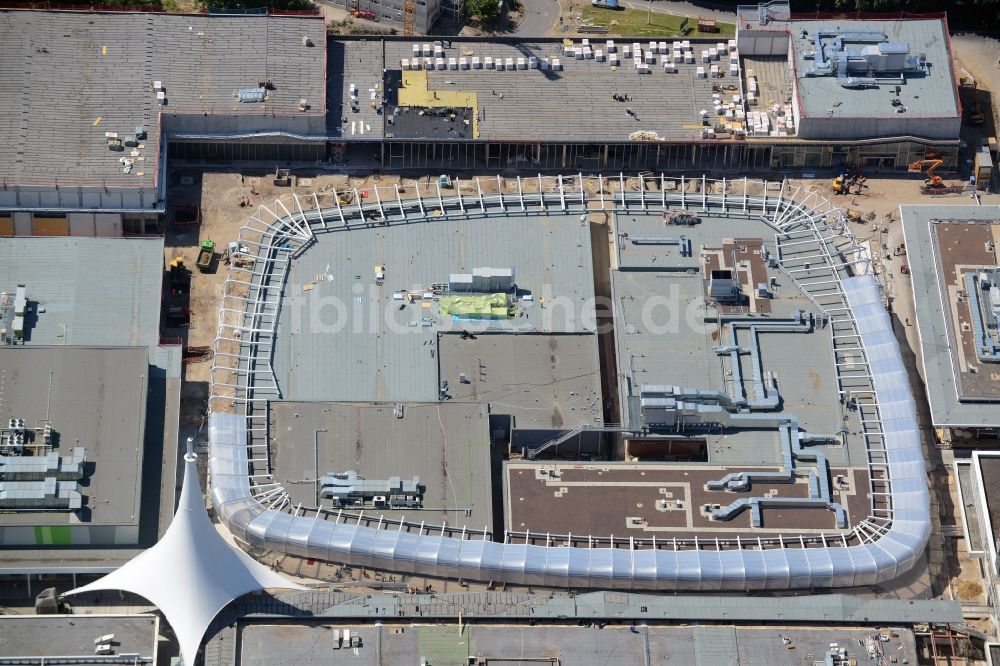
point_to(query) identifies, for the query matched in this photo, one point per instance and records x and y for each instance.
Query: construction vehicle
(934, 184)
(206, 256)
(839, 184)
(932, 180)
(843, 183)
(364, 14)
(853, 215)
(976, 116)
(178, 277)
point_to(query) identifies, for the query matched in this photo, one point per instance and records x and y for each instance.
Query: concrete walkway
(678, 8)
(539, 18)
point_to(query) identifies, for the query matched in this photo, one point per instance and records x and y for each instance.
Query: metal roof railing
(815, 249)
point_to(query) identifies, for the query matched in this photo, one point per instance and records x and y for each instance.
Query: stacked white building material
(758, 123)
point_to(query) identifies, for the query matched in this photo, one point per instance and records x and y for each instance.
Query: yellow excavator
(843, 183)
(932, 180)
(838, 185)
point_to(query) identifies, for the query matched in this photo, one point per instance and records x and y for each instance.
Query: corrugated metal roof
(73, 76)
(95, 291)
(930, 96)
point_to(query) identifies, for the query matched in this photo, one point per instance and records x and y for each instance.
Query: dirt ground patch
(968, 590)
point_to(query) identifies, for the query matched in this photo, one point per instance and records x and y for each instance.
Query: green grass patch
(632, 23)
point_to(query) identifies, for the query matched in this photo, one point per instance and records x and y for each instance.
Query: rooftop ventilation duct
(879, 61)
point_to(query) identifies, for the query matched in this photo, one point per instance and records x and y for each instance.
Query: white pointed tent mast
(192, 573)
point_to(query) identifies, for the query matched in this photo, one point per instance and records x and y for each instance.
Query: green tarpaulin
(476, 306)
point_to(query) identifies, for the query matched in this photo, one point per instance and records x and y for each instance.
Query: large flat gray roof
(665, 333)
(380, 348)
(446, 444)
(940, 353)
(870, 608)
(95, 398)
(29, 636)
(308, 643)
(574, 104)
(72, 76)
(544, 381)
(924, 96)
(95, 291)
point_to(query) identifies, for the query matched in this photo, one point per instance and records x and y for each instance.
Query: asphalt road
(539, 16)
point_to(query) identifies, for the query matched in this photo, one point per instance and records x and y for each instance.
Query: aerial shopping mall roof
(192, 573)
(814, 247)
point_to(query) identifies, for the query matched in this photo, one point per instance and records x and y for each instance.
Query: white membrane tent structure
(814, 247)
(192, 573)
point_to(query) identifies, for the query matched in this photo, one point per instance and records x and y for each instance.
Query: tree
(484, 10)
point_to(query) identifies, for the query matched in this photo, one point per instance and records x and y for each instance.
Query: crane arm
(920, 164)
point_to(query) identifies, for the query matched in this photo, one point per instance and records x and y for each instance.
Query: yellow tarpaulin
(415, 92)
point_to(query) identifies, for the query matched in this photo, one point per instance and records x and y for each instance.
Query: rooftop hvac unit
(723, 288)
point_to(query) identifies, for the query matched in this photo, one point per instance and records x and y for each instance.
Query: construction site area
(790, 93)
(505, 340)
